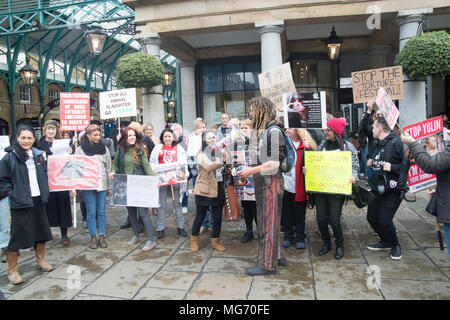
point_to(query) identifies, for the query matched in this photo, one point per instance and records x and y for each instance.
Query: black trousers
(200, 216)
(249, 213)
(329, 210)
(380, 215)
(293, 215)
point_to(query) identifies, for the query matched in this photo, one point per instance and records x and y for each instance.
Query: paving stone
(171, 240)
(229, 265)
(92, 264)
(60, 253)
(413, 265)
(343, 281)
(234, 248)
(220, 286)
(446, 271)
(426, 238)
(172, 280)
(48, 289)
(156, 255)
(293, 255)
(123, 280)
(293, 272)
(407, 290)
(159, 294)
(29, 273)
(263, 290)
(94, 297)
(440, 258)
(185, 260)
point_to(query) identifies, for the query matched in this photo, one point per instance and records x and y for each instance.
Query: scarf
(20, 152)
(92, 150)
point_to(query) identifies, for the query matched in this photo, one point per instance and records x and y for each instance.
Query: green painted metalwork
(178, 99)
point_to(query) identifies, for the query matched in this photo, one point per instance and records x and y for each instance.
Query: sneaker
(65, 240)
(396, 253)
(247, 236)
(287, 243)
(160, 234)
(133, 241)
(182, 232)
(3, 255)
(379, 246)
(185, 210)
(85, 224)
(282, 262)
(300, 245)
(149, 245)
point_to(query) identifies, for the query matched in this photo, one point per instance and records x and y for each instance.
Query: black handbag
(361, 197)
(432, 205)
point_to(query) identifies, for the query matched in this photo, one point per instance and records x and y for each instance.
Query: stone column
(152, 98)
(413, 105)
(271, 52)
(188, 102)
(378, 55)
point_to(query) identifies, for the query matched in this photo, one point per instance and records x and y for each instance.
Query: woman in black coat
(24, 171)
(439, 164)
(58, 207)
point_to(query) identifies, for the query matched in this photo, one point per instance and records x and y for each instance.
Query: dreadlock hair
(264, 111)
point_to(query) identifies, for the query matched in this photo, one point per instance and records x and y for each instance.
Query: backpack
(290, 154)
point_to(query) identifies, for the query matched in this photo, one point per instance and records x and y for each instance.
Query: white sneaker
(185, 210)
(133, 241)
(149, 246)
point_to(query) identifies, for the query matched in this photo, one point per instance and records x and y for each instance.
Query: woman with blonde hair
(295, 197)
(58, 206)
(148, 131)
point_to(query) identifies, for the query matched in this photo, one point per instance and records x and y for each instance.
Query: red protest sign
(430, 134)
(73, 172)
(74, 111)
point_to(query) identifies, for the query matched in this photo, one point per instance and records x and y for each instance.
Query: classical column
(271, 52)
(413, 105)
(152, 98)
(378, 55)
(188, 102)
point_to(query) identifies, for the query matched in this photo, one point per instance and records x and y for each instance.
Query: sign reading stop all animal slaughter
(328, 172)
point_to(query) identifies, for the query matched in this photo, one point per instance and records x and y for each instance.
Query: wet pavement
(171, 271)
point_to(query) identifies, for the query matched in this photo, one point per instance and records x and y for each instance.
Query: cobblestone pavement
(171, 271)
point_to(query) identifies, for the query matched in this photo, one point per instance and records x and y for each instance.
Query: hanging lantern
(333, 44)
(95, 38)
(28, 73)
(168, 75)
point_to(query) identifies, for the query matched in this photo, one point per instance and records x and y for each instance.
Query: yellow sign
(328, 172)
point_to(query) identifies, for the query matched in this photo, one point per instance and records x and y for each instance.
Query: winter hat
(337, 125)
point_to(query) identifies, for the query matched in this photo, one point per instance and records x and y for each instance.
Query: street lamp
(333, 44)
(28, 73)
(95, 38)
(168, 75)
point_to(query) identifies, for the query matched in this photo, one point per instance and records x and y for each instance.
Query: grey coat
(439, 164)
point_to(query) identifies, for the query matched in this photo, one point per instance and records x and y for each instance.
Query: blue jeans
(208, 218)
(95, 204)
(447, 237)
(4, 222)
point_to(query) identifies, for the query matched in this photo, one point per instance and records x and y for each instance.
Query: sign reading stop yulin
(118, 103)
(74, 111)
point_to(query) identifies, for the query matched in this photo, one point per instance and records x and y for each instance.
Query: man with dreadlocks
(268, 183)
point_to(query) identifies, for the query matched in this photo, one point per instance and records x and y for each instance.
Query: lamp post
(333, 44)
(28, 73)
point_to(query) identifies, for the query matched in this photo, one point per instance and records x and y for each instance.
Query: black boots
(247, 236)
(181, 232)
(339, 252)
(325, 248)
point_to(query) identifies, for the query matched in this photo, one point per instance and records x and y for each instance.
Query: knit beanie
(337, 125)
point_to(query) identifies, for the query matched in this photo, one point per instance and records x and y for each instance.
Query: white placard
(135, 191)
(59, 147)
(194, 146)
(4, 143)
(118, 103)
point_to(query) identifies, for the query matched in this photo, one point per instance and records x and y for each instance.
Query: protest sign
(135, 191)
(388, 107)
(4, 143)
(430, 134)
(118, 103)
(305, 110)
(73, 172)
(74, 111)
(170, 173)
(275, 82)
(194, 145)
(367, 82)
(59, 147)
(328, 172)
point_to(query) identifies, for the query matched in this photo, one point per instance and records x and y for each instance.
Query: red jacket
(300, 192)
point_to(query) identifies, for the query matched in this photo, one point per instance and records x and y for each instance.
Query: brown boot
(93, 244)
(13, 272)
(194, 243)
(40, 262)
(215, 243)
(101, 242)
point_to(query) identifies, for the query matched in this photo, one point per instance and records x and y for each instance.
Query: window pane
(213, 108)
(233, 75)
(324, 71)
(305, 73)
(212, 78)
(252, 69)
(234, 104)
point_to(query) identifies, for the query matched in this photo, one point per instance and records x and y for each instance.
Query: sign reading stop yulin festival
(74, 111)
(430, 134)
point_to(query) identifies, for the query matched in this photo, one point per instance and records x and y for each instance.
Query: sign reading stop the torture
(74, 111)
